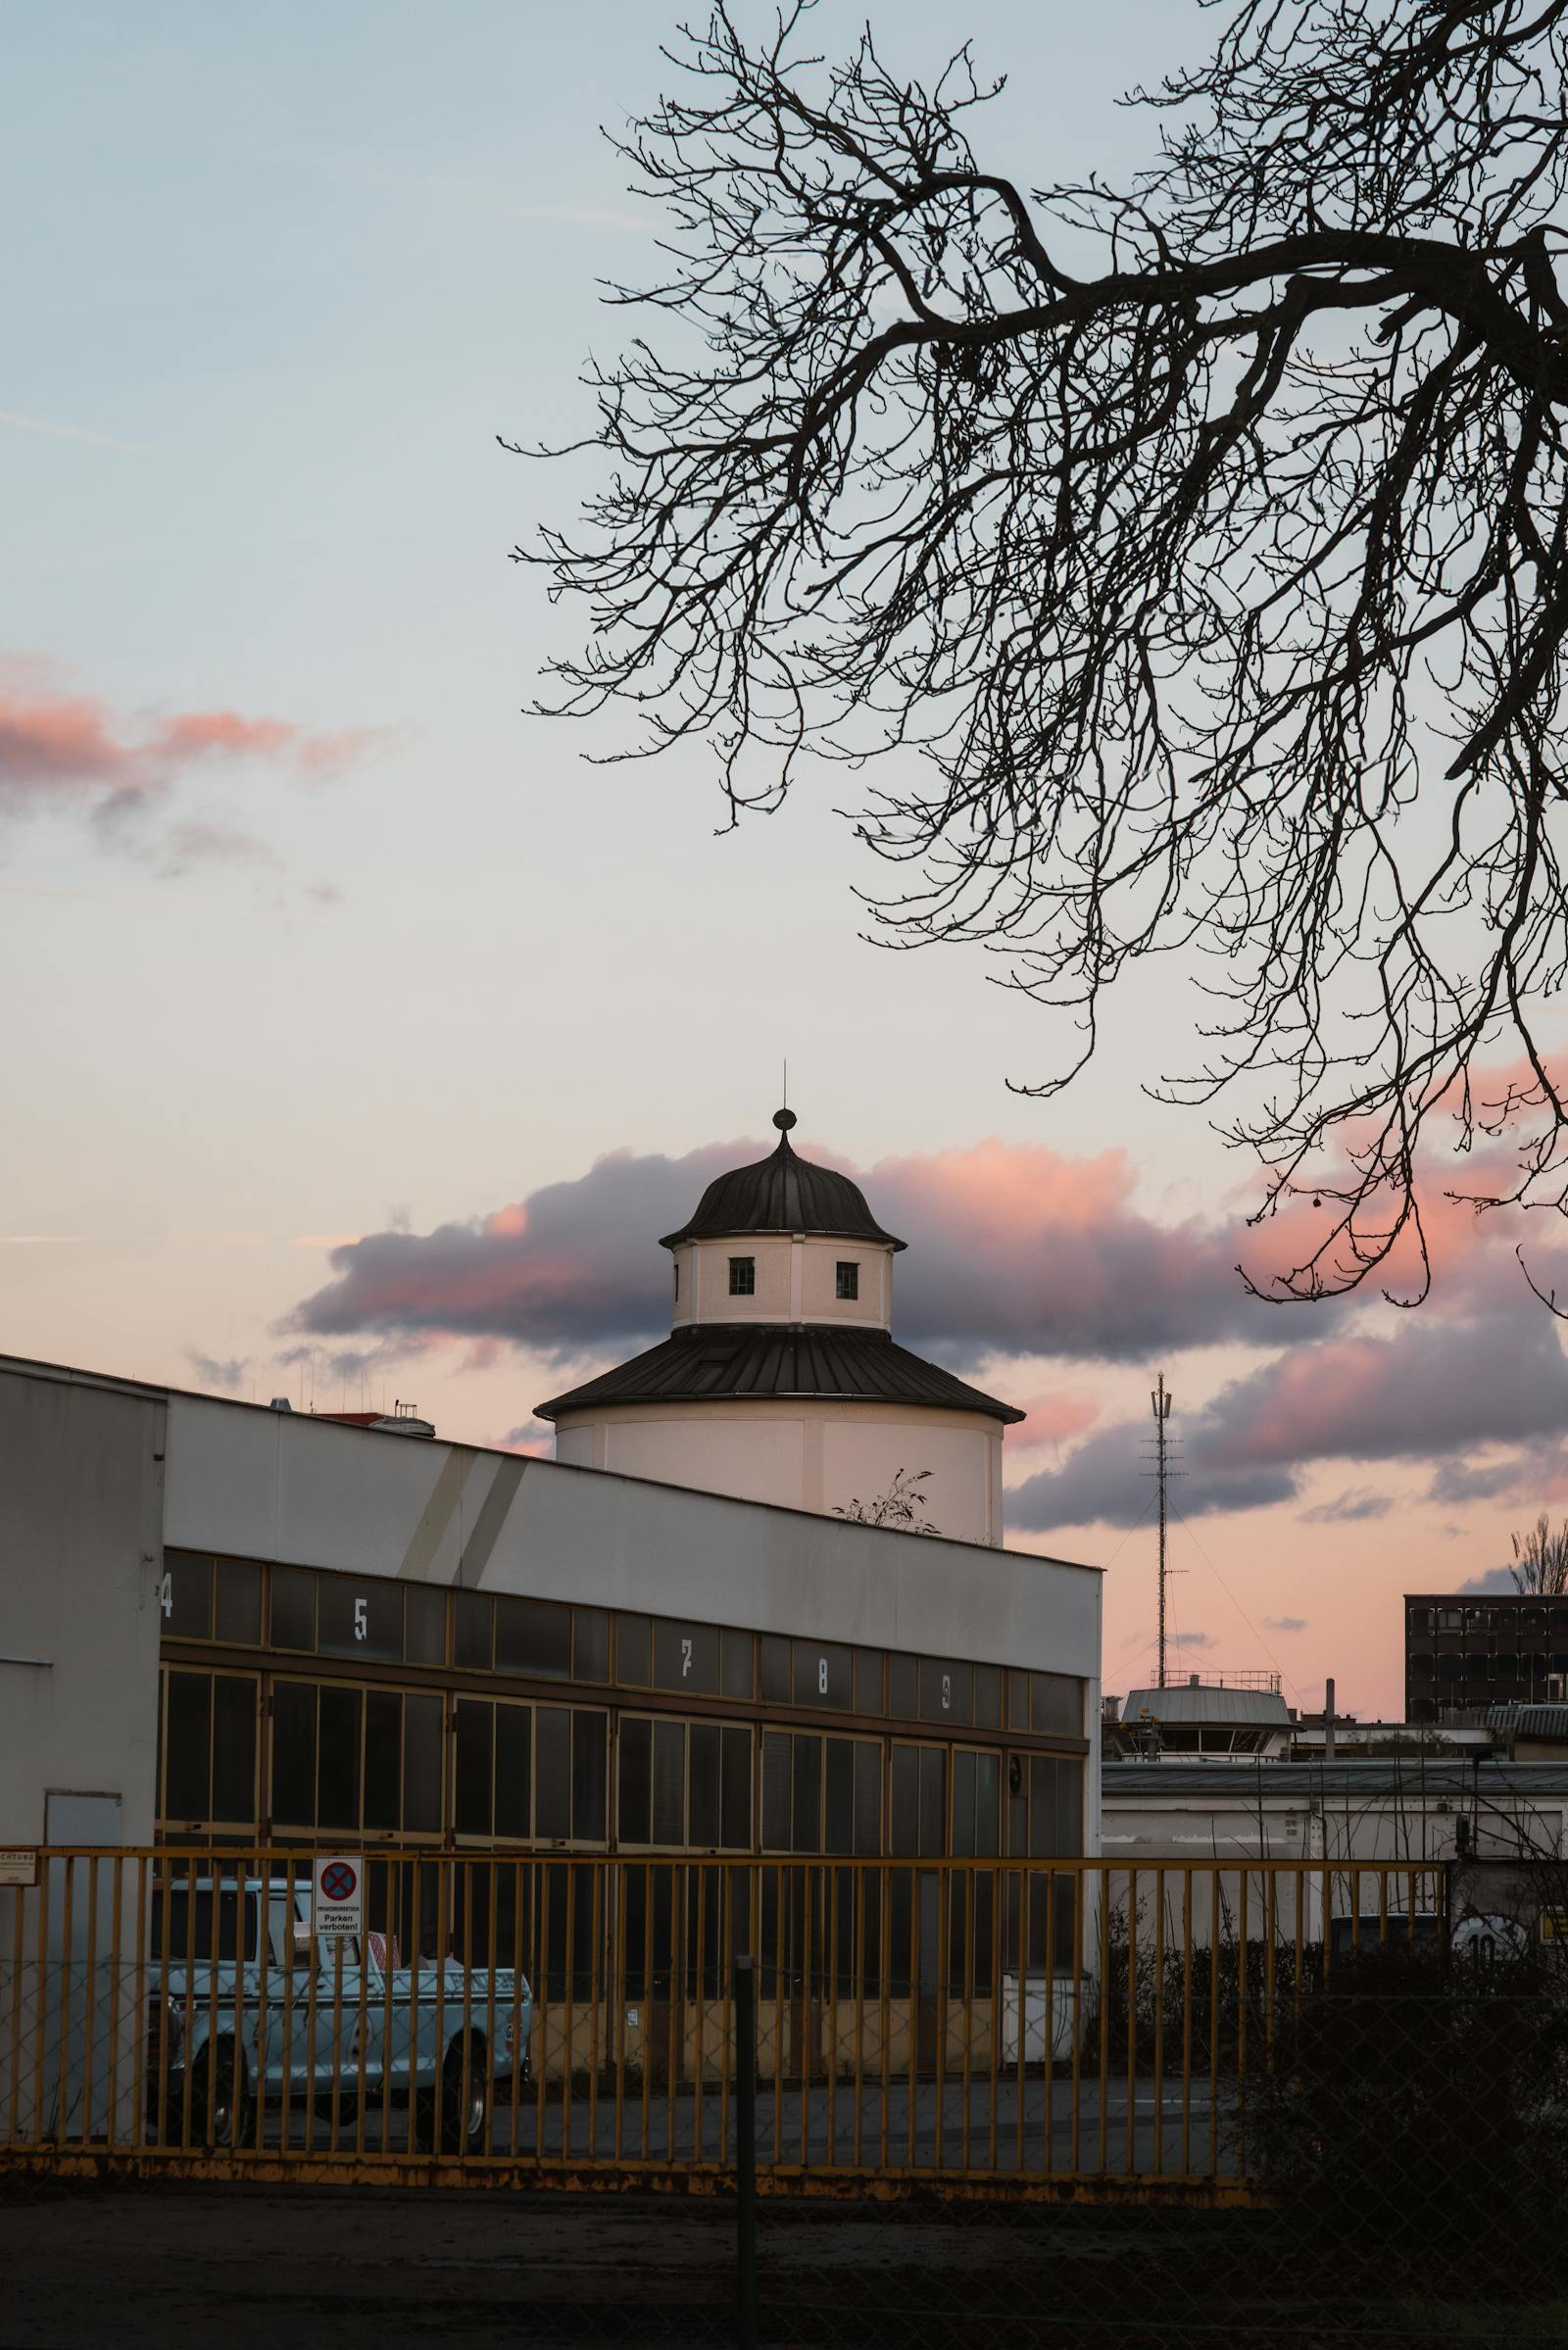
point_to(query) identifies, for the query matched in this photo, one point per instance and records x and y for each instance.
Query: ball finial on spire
(783, 1119)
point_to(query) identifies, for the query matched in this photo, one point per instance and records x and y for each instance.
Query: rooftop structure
(781, 1380)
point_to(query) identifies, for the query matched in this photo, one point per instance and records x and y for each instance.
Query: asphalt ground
(236, 2267)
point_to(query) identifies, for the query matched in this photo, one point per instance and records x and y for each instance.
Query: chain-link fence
(1041, 2095)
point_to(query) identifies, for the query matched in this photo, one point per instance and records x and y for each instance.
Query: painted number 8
(821, 1676)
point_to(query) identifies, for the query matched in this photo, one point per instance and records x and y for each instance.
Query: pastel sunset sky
(364, 1036)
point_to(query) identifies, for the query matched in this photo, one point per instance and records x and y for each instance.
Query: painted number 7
(685, 1658)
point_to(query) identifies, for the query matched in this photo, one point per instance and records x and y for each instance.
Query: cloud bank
(1015, 1249)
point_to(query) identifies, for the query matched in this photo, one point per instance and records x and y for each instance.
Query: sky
(365, 1034)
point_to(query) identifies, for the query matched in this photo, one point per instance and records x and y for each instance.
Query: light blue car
(248, 2011)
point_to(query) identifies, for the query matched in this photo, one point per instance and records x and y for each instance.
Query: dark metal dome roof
(782, 1192)
(724, 1363)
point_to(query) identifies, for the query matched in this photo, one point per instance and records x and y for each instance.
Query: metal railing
(1051, 2029)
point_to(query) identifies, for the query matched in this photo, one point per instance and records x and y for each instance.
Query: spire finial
(783, 1119)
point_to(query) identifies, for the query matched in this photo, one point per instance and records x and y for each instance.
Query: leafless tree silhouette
(1190, 562)
(1541, 1557)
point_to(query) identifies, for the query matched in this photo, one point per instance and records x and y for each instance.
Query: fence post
(746, 2152)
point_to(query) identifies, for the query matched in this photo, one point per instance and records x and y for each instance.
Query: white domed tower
(780, 1380)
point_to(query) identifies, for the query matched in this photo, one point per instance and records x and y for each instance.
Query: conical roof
(782, 1192)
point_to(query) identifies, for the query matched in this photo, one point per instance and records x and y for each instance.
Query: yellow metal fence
(1055, 2028)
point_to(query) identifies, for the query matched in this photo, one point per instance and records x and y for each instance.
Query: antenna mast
(1159, 1397)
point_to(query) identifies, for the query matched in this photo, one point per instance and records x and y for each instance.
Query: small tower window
(848, 1279)
(677, 1280)
(743, 1276)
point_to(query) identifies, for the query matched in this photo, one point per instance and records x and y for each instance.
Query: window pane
(905, 1830)
(743, 1276)
(902, 1698)
(589, 1774)
(867, 1796)
(702, 1808)
(806, 1775)
(293, 1607)
(1017, 1700)
(1043, 1807)
(868, 1681)
(188, 1771)
(737, 1819)
(986, 1798)
(964, 1764)
(774, 1660)
(685, 1657)
(1069, 1809)
(824, 1674)
(632, 1651)
(237, 1613)
(514, 1774)
(421, 1765)
(735, 1665)
(669, 1783)
(472, 1630)
(947, 1693)
(384, 1759)
(337, 1762)
(1056, 1704)
(590, 1633)
(987, 1696)
(293, 1754)
(185, 1597)
(355, 1617)
(840, 1833)
(424, 1625)
(475, 1758)
(553, 1771)
(933, 1805)
(635, 1773)
(775, 1791)
(533, 1636)
(848, 1281)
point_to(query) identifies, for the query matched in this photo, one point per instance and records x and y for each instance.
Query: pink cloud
(1053, 1418)
(60, 747)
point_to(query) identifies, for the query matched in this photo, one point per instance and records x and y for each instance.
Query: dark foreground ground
(86, 2267)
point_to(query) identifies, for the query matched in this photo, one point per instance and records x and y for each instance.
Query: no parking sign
(338, 1899)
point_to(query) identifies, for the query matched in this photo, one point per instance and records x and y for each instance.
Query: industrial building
(218, 1620)
(1464, 1652)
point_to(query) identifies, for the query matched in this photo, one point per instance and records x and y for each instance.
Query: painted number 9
(947, 1692)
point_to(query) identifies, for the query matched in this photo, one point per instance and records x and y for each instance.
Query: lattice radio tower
(1159, 1397)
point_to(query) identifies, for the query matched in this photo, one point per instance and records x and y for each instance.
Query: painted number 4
(166, 1594)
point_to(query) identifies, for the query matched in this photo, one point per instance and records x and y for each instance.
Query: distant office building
(1463, 1651)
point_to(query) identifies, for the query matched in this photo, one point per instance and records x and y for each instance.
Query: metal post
(746, 2152)
(1328, 1721)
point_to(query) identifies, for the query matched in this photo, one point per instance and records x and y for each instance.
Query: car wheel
(220, 2100)
(465, 2113)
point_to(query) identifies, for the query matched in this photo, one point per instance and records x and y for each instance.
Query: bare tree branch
(1183, 568)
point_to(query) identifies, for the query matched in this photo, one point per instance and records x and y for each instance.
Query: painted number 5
(362, 1619)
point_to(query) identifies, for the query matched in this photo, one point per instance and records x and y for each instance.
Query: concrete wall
(278, 1486)
(796, 1453)
(81, 1468)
